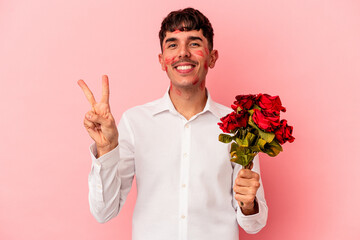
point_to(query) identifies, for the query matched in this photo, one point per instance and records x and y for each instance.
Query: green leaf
(238, 109)
(261, 143)
(256, 107)
(225, 138)
(250, 137)
(273, 148)
(234, 147)
(239, 141)
(255, 149)
(242, 133)
(242, 159)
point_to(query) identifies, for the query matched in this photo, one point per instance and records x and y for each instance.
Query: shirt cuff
(250, 222)
(107, 160)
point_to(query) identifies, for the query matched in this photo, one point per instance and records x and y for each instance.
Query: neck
(188, 101)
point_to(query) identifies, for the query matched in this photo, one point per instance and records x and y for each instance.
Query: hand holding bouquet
(255, 126)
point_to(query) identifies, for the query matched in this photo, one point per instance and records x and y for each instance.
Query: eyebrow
(194, 38)
(170, 40)
(189, 38)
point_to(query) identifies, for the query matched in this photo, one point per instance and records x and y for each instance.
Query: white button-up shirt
(183, 174)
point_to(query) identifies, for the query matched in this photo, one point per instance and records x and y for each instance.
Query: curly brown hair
(186, 20)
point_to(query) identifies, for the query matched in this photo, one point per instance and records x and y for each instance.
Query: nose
(184, 52)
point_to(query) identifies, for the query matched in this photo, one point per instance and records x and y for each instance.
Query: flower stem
(249, 166)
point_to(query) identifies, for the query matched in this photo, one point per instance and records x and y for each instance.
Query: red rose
(234, 120)
(283, 133)
(270, 103)
(234, 107)
(267, 121)
(245, 101)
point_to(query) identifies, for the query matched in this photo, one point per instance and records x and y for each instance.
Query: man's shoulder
(146, 108)
(221, 109)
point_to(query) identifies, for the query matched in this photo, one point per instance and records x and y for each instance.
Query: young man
(187, 186)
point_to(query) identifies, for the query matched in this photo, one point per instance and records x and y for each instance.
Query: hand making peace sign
(99, 122)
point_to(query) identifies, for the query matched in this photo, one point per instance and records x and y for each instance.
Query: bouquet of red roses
(254, 127)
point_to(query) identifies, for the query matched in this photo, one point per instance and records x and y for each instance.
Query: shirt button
(185, 155)
(183, 216)
(99, 186)
(184, 185)
(187, 125)
(98, 164)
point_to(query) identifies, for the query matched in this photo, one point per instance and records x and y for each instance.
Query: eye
(194, 44)
(172, 45)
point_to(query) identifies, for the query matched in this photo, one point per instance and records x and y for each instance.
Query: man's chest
(171, 149)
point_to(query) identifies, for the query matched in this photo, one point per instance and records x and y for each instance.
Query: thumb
(93, 117)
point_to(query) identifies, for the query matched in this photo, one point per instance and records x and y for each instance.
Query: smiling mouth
(185, 67)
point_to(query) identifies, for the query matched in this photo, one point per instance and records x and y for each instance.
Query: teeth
(186, 67)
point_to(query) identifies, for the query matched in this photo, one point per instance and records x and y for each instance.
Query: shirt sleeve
(111, 175)
(251, 223)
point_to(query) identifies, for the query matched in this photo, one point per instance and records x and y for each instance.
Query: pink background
(306, 51)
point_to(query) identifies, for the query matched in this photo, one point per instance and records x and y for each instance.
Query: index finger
(247, 173)
(105, 89)
(87, 92)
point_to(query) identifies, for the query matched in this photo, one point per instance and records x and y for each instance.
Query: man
(187, 187)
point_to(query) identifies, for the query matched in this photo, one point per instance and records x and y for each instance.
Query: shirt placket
(184, 180)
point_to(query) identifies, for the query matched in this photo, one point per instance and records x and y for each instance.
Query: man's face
(186, 58)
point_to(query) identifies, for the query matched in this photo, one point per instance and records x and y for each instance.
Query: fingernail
(88, 116)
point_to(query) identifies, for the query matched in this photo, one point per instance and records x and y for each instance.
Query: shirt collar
(165, 104)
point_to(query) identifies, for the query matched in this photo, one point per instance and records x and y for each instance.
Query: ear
(161, 61)
(214, 55)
